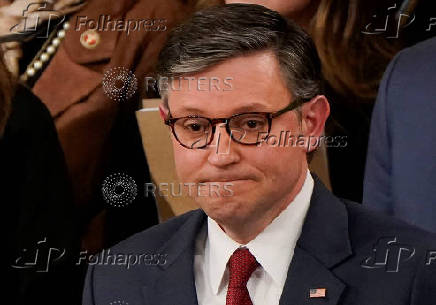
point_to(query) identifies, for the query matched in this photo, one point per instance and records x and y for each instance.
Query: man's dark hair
(216, 34)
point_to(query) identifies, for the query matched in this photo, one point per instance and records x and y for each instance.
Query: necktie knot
(241, 265)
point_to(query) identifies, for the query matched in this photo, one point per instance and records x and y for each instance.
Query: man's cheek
(187, 164)
(182, 168)
(180, 162)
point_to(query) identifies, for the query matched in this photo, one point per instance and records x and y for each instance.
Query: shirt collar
(273, 248)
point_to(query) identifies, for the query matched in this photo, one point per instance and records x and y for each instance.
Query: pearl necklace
(48, 49)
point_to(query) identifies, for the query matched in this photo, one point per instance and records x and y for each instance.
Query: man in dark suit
(400, 171)
(267, 231)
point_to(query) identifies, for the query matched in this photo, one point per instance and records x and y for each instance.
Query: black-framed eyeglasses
(248, 128)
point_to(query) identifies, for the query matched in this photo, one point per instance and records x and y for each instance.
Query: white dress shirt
(273, 248)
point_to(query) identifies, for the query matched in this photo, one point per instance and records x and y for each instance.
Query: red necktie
(241, 265)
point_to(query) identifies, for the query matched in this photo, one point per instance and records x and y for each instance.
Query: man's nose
(223, 150)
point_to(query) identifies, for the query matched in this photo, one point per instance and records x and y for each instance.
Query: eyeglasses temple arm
(290, 107)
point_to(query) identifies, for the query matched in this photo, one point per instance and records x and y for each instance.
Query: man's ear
(163, 111)
(314, 115)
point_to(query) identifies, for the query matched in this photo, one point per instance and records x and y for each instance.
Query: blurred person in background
(400, 172)
(41, 238)
(64, 56)
(353, 61)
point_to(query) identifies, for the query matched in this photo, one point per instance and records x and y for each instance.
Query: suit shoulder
(366, 224)
(424, 48)
(419, 57)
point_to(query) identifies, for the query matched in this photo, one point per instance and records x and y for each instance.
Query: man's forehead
(264, 63)
(250, 83)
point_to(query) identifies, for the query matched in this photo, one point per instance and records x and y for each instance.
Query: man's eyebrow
(252, 107)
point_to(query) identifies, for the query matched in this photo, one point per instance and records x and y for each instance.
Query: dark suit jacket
(401, 163)
(343, 248)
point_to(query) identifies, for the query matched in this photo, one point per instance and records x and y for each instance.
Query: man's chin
(221, 209)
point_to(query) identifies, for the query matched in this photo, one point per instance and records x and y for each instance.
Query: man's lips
(224, 179)
(228, 180)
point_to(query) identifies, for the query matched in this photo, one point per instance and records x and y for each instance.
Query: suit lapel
(306, 273)
(174, 282)
(323, 244)
(175, 285)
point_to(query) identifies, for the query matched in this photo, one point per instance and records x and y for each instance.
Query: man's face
(260, 178)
